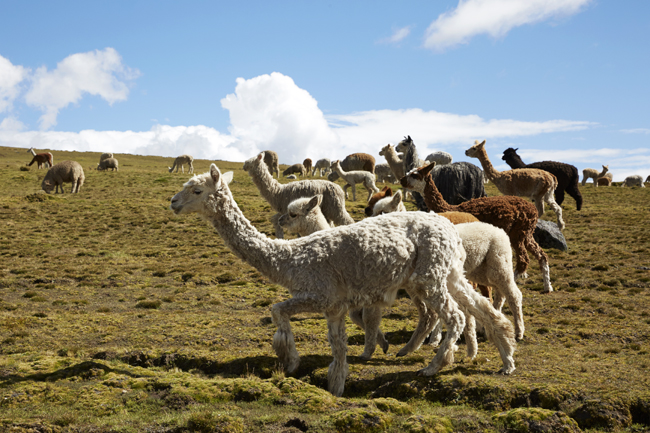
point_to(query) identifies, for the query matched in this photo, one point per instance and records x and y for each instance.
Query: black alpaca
(567, 175)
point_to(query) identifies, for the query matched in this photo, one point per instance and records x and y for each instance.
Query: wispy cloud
(493, 17)
(397, 36)
(636, 131)
(100, 73)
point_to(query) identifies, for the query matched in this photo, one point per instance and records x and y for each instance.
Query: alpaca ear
(389, 192)
(481, 144)
(427, 169)
(315, 201)
(384, 189)
(227, 177)
(215, 174)
(516, 149)
(397, 198)
(260, 157)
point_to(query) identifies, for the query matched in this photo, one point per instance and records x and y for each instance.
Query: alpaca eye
(293, 215)
(197, 191)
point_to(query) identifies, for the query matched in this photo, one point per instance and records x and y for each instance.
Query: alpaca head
(476, 150)
(385, 150)
(254, 162)
(605, 168)
(388, 204)
(509, 153)
(385, 192)
(211, 186)
(303, 216)
(416, 179)
(403, 145)
(47, 186)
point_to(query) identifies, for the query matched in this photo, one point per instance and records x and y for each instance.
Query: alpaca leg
(574, 192)
(539, 204)
(498, 328)
(499, 300)
(73, 188)
(519, 247)
(426, 322)
(367, 320)
(354, 191)
(542, 258)
(559, 196)
(284, 344)
(508, 290)
(345, 190)
(556, 208)
(338, 369)
(275, 220)
(470, 336)
(436, 335)
(447, 309)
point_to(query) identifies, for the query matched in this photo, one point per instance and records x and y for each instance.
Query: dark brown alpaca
(41, 158)
(516, 216)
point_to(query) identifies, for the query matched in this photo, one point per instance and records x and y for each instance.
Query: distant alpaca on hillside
(354, 177)
(634, 180)
(590, 173)
(307, 163)
(41, 159)
(355, 161)
(180, 161)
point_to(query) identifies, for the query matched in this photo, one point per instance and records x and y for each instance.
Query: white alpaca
(384, 174)
(280, 195)
(180, 161)
(634, 180)
(354, 177)
(537, 184)
(439, 157)
(104, 156)
(394, 161)
(488, 262)
(357, 265)
(323, 167)
(591, 173)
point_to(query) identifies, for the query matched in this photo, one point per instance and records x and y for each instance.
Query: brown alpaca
(516, 216)
(604, 181)
(537, 184)
(307, 163)
(41, 158)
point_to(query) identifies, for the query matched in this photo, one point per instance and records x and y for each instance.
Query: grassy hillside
(116, 315)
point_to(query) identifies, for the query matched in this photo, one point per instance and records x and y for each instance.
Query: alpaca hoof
(519, 338)
(365, 357)
(292, 366)
(506, 371)
(384, 347)
(401, 353)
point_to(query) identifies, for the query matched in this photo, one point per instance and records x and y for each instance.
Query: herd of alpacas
(339, 267)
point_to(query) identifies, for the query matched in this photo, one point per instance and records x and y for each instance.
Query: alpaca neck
(339, 170)
(433, 199)
(270, 257)
(32, 151)
(267, 185)
(392, 157)
(514, 161)
(489, 170)
(602, 173)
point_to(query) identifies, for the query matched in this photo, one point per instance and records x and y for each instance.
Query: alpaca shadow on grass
(86, 370)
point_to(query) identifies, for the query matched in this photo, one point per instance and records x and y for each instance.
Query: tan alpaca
(394, 161)
(591, 173)
(537, 184)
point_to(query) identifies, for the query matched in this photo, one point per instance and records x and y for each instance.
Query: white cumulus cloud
(10, 78)
(493, 17)
(398, 35)
(99, 72)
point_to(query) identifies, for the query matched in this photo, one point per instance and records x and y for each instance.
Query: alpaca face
(199, 189)
(299, 214)
(416, 179)
(475, 150)
(47, 186)
(385, 150)
(385, 192)
(254, 162)
(403, 145)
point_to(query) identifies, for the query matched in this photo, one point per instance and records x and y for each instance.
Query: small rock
(548, 235)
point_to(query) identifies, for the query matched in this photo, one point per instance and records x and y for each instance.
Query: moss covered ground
(116, 315)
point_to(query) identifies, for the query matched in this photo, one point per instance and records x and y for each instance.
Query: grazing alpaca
(180, 161)
(634, 180)
(537, 184)
(439, 157)
(272, 162)
(356, 161)
(590, 173)
(516, 216)
(104, 156)
(566, 174)
(383, 173)
(323, 166)
(280, 195)
(107, 163)
(298, 169)
(359, 265)
(352, 178)
(307, 163)
(394, 161)
(63, 172)
(488, 261)
(459, 182)
(41, 159)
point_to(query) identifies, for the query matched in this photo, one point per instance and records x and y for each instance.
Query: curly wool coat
(567, 175)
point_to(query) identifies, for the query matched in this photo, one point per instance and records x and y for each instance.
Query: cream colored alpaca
(180, 161)
(353, 177)
(590, 173)
(394, 161)
(353, 266)
(537, 184)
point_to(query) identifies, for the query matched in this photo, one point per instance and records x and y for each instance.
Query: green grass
(116, 315)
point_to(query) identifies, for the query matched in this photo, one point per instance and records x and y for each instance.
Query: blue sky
(562, 80)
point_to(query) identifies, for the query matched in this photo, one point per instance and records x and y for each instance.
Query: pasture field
(118, 316)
